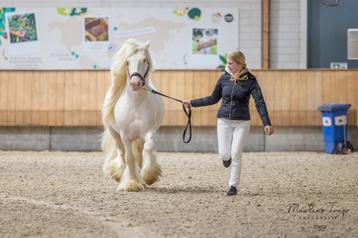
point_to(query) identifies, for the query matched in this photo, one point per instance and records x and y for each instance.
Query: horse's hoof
(131, 186)
(116, 176)
(151, 175)
(117, 170)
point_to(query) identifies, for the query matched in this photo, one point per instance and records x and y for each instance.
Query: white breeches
(231, 137)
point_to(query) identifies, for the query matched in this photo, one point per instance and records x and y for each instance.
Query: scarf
(242, 75)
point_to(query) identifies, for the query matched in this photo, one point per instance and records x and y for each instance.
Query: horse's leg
(113, 147)
(137, 147)
(130, 179)
(151, 169)
(117, 164)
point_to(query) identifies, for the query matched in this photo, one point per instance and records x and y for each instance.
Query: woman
(234, 87)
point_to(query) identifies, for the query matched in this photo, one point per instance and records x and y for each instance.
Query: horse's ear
(146, 45)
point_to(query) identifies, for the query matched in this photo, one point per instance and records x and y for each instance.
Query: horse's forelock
(143, 50)
(129, 48)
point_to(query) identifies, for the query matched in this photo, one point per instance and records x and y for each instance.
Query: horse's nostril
(134, 83)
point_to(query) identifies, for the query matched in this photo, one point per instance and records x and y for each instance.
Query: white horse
(131, 115)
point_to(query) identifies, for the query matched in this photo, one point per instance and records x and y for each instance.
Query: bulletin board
(87, 38)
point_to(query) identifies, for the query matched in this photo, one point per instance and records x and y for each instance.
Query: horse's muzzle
(135, 82)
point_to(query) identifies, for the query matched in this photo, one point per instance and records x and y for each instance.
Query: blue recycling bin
(334, 120)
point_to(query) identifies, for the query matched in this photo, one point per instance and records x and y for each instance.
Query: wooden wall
(74, 98)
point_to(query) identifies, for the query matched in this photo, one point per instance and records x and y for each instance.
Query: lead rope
(186, 111)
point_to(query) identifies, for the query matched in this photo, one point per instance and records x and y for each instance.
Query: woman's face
(233, 66)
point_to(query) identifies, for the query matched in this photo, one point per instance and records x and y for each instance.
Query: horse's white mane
(119, 76)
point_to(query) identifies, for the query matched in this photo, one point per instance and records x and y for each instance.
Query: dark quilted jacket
(235, 99)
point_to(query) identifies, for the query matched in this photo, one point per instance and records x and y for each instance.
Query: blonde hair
(238, 57)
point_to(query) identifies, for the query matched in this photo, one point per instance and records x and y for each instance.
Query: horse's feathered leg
(110, 149)
(137, 147)
(151, 169)
(117, 165)
(114, 163)
(130, 179)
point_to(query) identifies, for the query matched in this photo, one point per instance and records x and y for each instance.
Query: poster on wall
(23, 34)
(87, 38)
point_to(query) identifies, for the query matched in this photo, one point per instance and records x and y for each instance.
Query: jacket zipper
(232, 94)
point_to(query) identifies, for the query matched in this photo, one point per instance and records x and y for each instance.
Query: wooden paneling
(265, 34)
(74, 98)
(11, 109)
(4, 94)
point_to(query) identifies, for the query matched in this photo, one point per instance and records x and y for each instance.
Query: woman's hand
(187, 103)
(268, 130)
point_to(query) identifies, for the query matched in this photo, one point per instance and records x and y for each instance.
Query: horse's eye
(144, 60)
